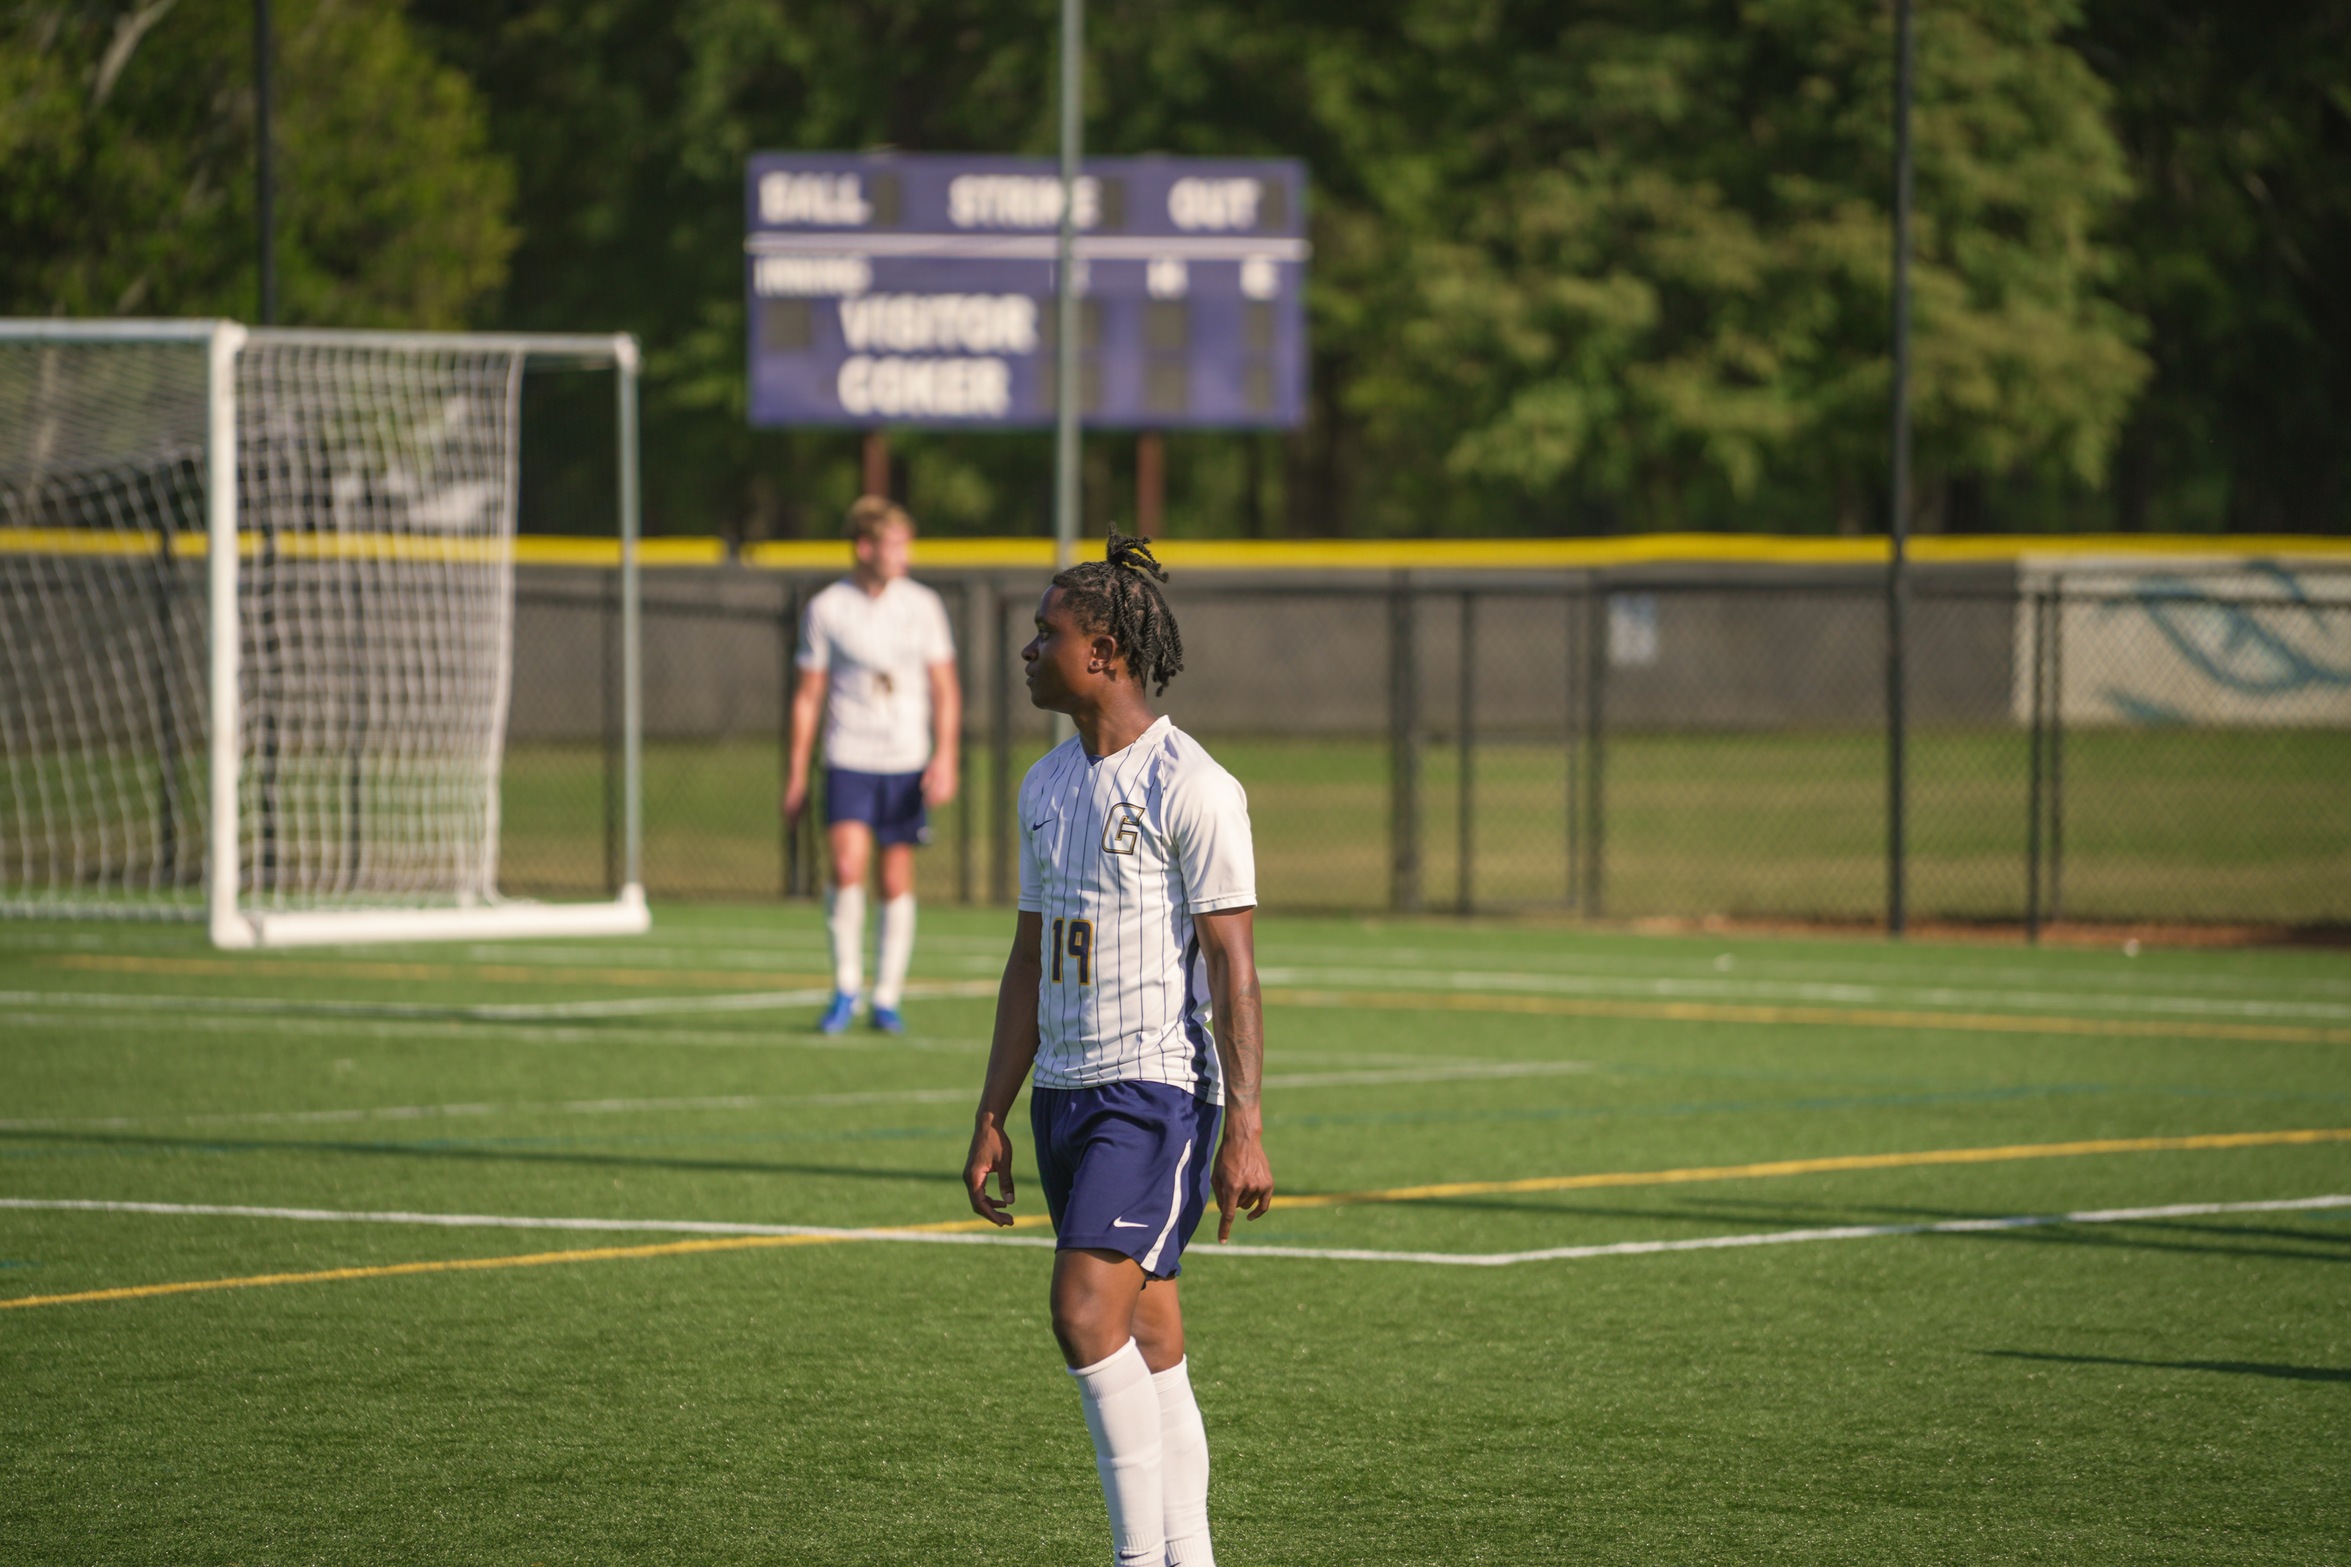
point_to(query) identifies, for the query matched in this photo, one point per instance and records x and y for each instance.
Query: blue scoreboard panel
(897, 289)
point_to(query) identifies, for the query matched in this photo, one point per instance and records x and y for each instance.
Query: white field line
(1396, 976)
(1461, 981)
(489, 1012)
(292, 1017)
(1734, 990)
(494, 1221)
(2132, 975)
(760, 949)
(658, 955)
(1499, 1259)
(1842, 1232)
(476, 1031)
(1466, 1071)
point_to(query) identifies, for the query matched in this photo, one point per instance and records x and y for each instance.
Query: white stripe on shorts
(1175, 1210)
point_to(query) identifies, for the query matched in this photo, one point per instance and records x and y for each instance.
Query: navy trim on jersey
(1203, 1048)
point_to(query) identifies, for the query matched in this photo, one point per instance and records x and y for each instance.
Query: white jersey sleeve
(1208, 824)
(939, 642)
(1032, 866)
(816, 636)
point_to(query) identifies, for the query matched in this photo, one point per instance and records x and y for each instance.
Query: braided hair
(1118, 596)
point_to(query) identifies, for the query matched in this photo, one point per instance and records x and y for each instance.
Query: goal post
(257, 623)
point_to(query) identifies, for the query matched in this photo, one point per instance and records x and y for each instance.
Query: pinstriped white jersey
(1118, 853)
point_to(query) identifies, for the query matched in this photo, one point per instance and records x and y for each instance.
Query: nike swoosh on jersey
(1121, 1224)
(1033, 826)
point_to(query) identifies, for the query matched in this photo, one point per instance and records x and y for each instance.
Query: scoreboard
(903, 289)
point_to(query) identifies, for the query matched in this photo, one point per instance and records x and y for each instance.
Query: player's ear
(1104, 654)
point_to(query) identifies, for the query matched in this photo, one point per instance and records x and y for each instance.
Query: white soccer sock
(1122, 1411)
(1183, 1469)
(895, 949)
(844, 918)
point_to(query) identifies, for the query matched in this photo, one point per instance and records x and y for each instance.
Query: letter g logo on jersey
(1123, 830)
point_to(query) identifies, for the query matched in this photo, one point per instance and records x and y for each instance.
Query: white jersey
(1118, 853)
(878, 649)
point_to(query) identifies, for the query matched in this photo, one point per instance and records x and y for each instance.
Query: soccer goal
(257, 623)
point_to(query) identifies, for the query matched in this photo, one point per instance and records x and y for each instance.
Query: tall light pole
(264, 218)
(1068, 390)
(1898, 525)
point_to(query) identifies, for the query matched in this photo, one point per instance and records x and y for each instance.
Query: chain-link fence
(2102, 744)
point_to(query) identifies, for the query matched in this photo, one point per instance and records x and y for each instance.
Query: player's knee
(1076, 1330)
(1082, 1323)
(1162, 1343)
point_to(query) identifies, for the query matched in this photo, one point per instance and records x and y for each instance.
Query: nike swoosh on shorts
(1121, 1224)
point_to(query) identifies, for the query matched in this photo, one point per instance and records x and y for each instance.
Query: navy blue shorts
(889, 803)
(1126, 1168)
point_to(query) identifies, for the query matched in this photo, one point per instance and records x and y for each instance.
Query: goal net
(256, 628)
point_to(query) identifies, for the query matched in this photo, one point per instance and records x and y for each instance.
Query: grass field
(1727, 1385)
(2161, 825)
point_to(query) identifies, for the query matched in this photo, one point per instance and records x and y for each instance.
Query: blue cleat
(886, 1020)
(837, 1017)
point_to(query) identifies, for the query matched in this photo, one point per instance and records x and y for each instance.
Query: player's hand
(939, 781)
(991, 1154)
(795, 799)
(1243, 1180)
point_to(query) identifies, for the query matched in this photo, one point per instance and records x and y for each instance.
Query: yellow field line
(2205, 1142)
(1836, 1017)
(488, 973)
(535, 1259)
(1826, 1166)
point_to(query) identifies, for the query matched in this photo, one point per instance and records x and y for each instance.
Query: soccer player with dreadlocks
(1132, 990)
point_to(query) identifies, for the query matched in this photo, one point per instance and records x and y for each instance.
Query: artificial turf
(2166, 1390)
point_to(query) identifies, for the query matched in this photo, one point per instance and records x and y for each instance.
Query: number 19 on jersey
(1073, 940)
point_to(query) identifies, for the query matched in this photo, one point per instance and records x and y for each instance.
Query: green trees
(1599, 266)
(1578, 266)
(2235, 249)
(1652, 289)
(126, 157)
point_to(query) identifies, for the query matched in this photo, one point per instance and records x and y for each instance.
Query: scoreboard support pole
(877, 463)
(1068, 384)
(1150, 482)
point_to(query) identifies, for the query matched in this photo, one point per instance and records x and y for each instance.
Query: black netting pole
(2033, 802)
(788, 676)
(1465, 871)
(612, 735)
(1897, 573)
(1595, 728)
(1001, 802)
(1403, 749)
(2056, 749)
(964, 593)
(1570, 724)
(167, 718)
